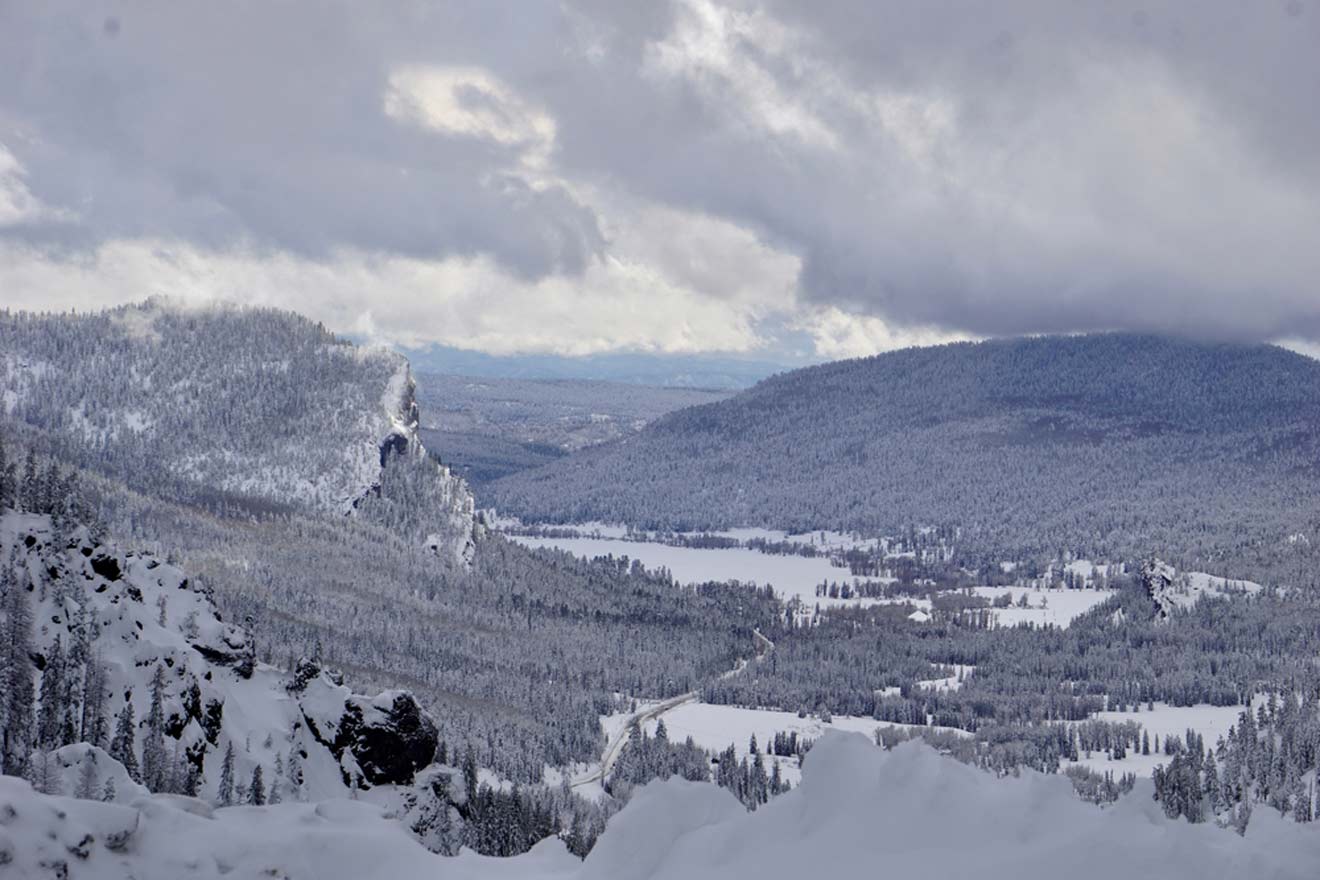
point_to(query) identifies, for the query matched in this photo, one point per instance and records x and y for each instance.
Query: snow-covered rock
(137, 617)
(389, 737)
(255, 407)
(1171, 590)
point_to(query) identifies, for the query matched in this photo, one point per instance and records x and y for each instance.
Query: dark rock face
(390, 745)
(306, 671)
(394, 444)
(106, 566)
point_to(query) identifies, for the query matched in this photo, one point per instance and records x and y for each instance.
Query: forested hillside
(281, 468)
(1106, 445)
(247, 408)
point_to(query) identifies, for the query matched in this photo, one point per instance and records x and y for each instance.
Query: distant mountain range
(633, 368)
(1101, 444)
(485, 427)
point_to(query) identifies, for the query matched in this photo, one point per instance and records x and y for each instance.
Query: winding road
(614, 747)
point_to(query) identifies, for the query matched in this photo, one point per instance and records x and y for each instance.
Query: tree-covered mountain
(256, 408)
(1102, 444)
(516, 654)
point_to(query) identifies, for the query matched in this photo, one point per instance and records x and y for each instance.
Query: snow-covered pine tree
(86, 788)
(15, 661)
(51, 711)
(123, 746)
(155, 758)
(257, 788)
(225, 791)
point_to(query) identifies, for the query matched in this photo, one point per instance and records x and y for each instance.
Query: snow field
(858, 810)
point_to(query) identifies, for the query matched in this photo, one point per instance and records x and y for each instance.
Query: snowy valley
(191, 636)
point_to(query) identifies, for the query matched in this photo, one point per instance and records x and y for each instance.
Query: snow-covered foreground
(904, 813)
(716, 727)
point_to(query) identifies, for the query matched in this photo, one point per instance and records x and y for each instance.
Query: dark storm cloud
(987, 168)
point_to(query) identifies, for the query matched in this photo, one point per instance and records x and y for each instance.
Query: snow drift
(906, 813)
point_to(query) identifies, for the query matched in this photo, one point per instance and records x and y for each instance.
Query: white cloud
(17, 204)
(616, 304)
(714, 47)
(628, 175)
(1308, 347)
(469, 102)
(837, 334)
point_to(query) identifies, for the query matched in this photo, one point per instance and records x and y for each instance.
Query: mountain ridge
(231, 405)
(990, 429)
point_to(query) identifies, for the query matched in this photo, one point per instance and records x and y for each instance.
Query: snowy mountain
(1108, 445)
(232, 406)
(859, 811)
(139, 684)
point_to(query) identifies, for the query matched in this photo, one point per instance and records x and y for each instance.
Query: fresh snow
(791, 576)
(858, 811)
(1045, 607)
(1211, 722)
(716, 727)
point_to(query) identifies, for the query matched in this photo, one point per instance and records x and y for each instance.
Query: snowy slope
(246, 406)
(215, 695)
(1172, 590)
(859, 811)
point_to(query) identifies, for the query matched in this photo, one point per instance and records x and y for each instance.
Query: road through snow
(614, 747)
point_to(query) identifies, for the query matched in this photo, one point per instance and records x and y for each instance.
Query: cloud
(619, 303)
(679, 175)
(837, 334)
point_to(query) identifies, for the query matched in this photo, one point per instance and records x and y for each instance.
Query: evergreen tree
(257, 788)
(52, 709)
(225, 792)
(94, 727)
(276, 781)
(293, 769)
(16, 665)
(87, 777)
(123, 745)
(155, 760)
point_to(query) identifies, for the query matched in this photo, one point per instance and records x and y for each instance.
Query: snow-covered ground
(716, 727)
(1044, 607)
(950, 682)
(859, 811)
(791, 576)
(1211, 722)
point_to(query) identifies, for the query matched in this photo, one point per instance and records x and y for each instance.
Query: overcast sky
(585, 176)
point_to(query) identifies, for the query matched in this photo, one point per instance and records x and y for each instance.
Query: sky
(774, 179)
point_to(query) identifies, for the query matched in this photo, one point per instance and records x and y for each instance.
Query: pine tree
(44, 774)
(6, 480)
(87, 777)
(155, 761)
(225, 792)
(294, 771)
(50, 715)
(94, 728)
(123, 745)
(16, 661)
(276, 781)
(30, 486)
(108, 793)
(257, 789)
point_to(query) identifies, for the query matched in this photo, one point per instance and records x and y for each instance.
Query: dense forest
(1110, 446)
